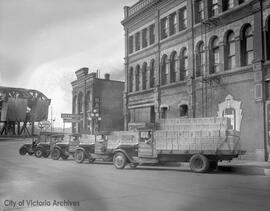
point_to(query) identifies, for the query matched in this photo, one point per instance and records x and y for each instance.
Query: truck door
(145, 144)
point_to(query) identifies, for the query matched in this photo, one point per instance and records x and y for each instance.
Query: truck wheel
(22, 151)
(79, 156)
(119, 160)
(213, 165)
(38, 153)
(55, 154)
(199, 163)
(46, 154)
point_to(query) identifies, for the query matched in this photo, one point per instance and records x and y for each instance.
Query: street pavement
(30, 183)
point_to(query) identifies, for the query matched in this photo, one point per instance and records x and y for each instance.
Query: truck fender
(130, 159)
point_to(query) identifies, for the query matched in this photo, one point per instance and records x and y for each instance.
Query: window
(144, 75)
(214, 56)
(144, 38)
(152, 73)
(152, 34)
(247, 46)
(137, 41)
(164, 111)
(80, 103)
(214, 8)
(137, 78)
(130, 44)
(164, 70)
(200, 60)
(74, 109)
(173, 23)
(183, 110)
(227, 4)
(164, 28)
(88, 101)
(183, 64)
(199, 11)
(173, 61)
(267, 37)
(230, 51)
(182, 18)
(241, 1)
(131, 79)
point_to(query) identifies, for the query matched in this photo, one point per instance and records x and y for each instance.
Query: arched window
(267, 37)
(200, 59)
(152, 73)
(229, 51)
(144, 75)
(131, 79)
(164, 112)
(214, 56)
(164, 70)
(74, 108)
(173, 70)
(80, 103)
(87, 101)
(183, 64)
(137, 78)
(246, 46)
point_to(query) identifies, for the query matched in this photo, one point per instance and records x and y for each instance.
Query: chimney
(107, 76)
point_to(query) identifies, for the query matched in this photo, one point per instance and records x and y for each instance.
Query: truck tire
(213, 165)
(119, 160)
(46, 154)
(38, 153)
(79, 156)
(55, 154)
(22, 151)
(199, 163)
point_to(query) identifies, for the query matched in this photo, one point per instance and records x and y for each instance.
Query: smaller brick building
(90, 92)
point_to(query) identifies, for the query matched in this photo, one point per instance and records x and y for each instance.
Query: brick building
(104, 95)
(200, 58)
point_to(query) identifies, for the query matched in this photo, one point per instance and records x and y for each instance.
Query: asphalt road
(44, 184)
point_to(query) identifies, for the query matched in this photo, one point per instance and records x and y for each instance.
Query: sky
(43, 43)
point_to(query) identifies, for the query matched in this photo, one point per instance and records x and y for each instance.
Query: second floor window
(130, 44)
(131, 79)
(152, 74)
(214, 56)
(247, 46)
(200, 60)
(164, 28)
(214, 8)
(164, 70)
(173, 67)
(199, 11)
(152, 34)
(183, 64)
(173, 23)
(227, 4)
(144, 38)
(137, 41)
(144, 76)
(230, 51)
(137, 78)
(182, 18)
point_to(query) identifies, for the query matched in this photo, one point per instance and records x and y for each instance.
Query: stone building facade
(200, 58)
(90, 92)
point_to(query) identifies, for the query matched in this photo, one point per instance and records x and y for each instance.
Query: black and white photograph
(134, 105)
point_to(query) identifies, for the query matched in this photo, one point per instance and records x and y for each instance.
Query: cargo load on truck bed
(207, 135)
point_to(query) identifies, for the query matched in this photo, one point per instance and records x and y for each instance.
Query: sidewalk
(246, 167)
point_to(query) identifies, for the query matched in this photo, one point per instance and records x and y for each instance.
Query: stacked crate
(194, 134)
(117, 138)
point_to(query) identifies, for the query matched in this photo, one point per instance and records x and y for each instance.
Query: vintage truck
(46, 142)
(101, 148)
(66, 147)
(200, 141)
